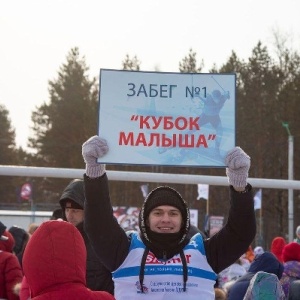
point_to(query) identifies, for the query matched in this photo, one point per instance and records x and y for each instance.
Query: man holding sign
(161, 261)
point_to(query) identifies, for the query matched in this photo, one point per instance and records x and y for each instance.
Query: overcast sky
(36, 36)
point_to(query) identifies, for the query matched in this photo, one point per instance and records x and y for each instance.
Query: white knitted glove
(92, 149)
(238, 165)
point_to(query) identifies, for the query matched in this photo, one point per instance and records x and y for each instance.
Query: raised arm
(226, 246)
(107, 237)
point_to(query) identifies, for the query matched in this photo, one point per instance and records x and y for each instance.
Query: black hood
(75, 192)
(267, 262)
(164, 245)
(21, 237)
(170, 197)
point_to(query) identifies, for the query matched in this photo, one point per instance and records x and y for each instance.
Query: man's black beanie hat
(164, 195)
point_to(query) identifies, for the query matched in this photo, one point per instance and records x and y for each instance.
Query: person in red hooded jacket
(277, 246)
(54, 264)
(10, 269)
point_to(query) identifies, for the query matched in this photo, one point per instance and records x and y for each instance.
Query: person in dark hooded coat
(72, 201)
(266, 262)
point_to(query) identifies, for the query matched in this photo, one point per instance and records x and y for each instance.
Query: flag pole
(260, 223)
(258, 205)
(31, 204)
(207, 206)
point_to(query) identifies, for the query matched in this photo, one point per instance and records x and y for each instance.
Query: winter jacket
(291, 273)
(98, 277)
(266, 262)
(24, 290)
(54, 264)
(264, 285)
(112, 245)
(294, 290)
(10, 269)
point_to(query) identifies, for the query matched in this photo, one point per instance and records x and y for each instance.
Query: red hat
(277, 246)
(8, 243)
(291, 252)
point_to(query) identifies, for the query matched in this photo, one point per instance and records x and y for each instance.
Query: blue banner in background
(171, 119)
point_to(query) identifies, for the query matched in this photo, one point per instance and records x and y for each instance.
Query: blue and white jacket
(163, 280)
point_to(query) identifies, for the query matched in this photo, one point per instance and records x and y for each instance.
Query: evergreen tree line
(267, 94)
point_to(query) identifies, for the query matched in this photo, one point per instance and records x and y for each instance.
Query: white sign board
(172, 119)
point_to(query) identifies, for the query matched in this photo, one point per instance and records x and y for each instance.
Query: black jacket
(112, 245)
(98, 277)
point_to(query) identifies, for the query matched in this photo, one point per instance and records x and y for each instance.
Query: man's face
(165, 219)
(73, 215)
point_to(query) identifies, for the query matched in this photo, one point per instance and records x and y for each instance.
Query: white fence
(162, 178)
(146, 177)
(23, 218)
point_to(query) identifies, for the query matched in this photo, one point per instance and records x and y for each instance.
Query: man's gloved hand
(92, 149)
(238, 165)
